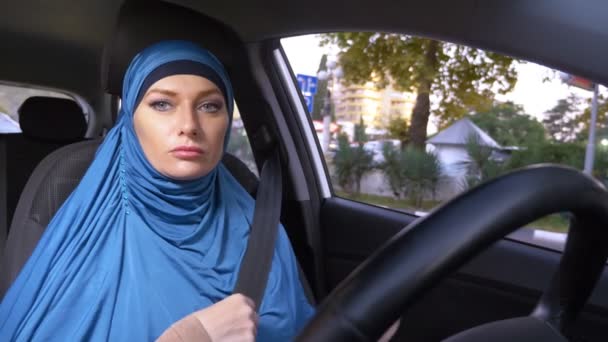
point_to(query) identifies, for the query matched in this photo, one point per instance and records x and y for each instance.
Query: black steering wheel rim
(379, 290)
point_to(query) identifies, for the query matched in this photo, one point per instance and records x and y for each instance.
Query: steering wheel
(373, 296)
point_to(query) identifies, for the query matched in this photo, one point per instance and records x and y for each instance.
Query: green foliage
(411, 172)
(570, 154)
(398, 129)
(600, 166)
(481, 166)
(351, 164)
(509, 125)
(359, 135)
(601, 124)
(461, 77)
(392, 167)
(563, 122)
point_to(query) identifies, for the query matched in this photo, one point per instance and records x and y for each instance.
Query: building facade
(376, 106)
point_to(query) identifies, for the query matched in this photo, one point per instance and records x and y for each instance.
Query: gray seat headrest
(141, 24)
(52, 119)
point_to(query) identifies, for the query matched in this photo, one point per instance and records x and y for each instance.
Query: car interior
(456, 273)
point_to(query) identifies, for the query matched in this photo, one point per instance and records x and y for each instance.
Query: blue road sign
(308, 84)
(309, 99)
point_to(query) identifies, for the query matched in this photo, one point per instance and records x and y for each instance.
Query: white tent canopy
(459, 132)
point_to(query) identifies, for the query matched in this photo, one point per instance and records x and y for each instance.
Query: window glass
(239, 145)
(415, 122)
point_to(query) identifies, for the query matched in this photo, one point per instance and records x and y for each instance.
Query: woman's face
(181, 123)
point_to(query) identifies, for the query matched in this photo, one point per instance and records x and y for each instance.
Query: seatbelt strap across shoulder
(257, 261)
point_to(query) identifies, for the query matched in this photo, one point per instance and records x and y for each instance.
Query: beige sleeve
(187, 329)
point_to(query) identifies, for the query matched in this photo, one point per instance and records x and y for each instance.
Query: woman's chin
(187, 174)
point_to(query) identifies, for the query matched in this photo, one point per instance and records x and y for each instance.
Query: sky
(531, 90)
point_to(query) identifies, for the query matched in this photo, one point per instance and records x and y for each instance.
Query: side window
(414, 122)
(238, 145)
(11, 98)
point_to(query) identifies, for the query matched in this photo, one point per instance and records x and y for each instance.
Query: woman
(157, 227)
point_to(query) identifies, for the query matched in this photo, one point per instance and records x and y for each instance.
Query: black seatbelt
(257, 261)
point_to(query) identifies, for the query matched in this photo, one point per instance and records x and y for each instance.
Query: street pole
(329, 74)
(327, 118)
(590, 152)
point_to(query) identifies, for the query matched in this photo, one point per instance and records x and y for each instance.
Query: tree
(463, 79)
(600, 165)
(481, 165)
(393, 167)
(398, 129)
(562, 121)
(321, 94)
(360, 136)
(585, 118)
(509, 125)
(570, 154)
(411, 172)
(351, 164)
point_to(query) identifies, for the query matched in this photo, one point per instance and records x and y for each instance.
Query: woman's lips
(187, 152)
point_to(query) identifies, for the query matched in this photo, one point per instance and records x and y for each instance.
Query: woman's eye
(161, 106)
(211, 107)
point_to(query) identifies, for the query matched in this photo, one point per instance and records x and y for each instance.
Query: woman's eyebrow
(173, 93)
(162, 91)
(209, 92)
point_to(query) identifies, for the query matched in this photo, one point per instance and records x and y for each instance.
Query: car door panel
(504, 281)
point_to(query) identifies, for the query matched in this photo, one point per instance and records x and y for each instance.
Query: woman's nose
(189, 123)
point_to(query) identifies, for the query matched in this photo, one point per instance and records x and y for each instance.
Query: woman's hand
(232, 319)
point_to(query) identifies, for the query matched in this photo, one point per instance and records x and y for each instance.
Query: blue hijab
(131, 251)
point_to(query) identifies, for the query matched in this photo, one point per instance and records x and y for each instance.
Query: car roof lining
(562, 34)
(558, 33)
